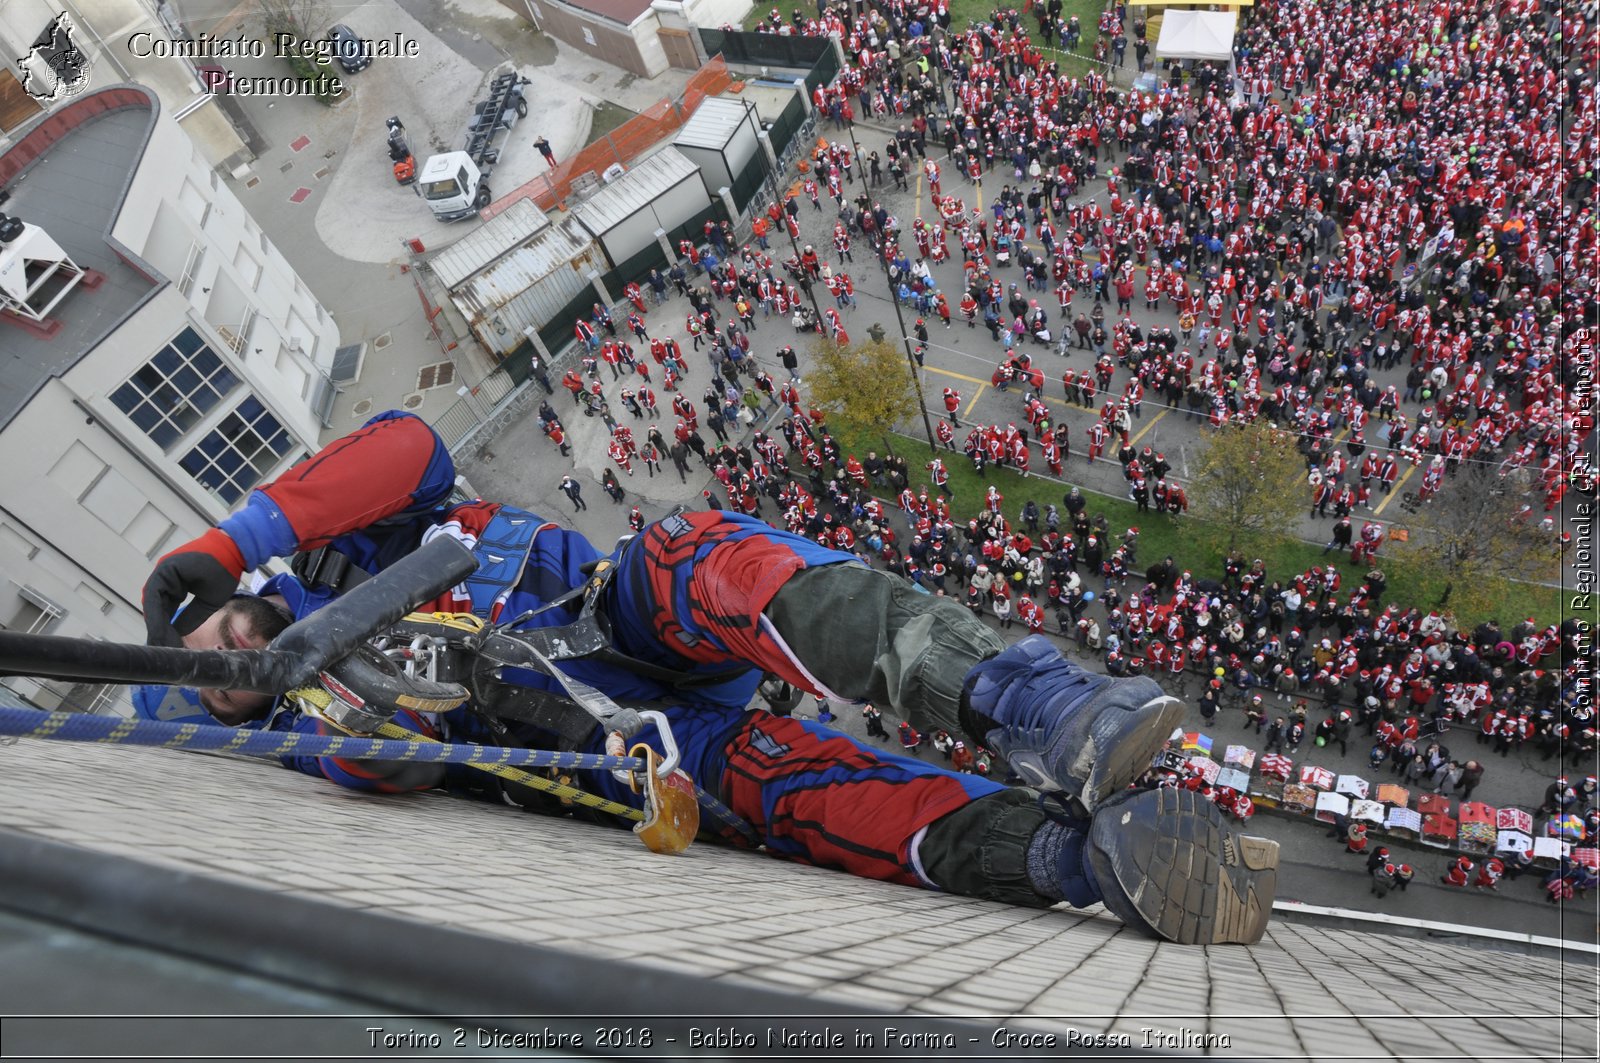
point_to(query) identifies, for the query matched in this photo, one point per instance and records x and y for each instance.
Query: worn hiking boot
(1063, 728)
(1167, 863)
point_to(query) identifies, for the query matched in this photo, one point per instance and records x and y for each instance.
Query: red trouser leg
(820, 797)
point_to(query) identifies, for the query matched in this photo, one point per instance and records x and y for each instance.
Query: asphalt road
(965, 358)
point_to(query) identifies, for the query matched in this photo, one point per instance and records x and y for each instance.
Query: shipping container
(660, 192)
(528, 285)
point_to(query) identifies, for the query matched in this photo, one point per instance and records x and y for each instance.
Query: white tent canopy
(1197, 34)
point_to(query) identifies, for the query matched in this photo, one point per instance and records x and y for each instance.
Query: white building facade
(178, 375)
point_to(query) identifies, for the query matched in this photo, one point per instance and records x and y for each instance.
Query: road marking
(919, 197)
(1153, 422)
(967, 413)
(957, 376)
(1049, 399)
(1392, 495)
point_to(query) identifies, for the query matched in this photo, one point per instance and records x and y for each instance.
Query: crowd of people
(1413, 194)
(1380, 188)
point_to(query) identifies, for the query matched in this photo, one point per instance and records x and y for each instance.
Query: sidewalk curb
(1477, 937)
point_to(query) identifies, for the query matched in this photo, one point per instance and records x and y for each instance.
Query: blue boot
(1166, 863)
(1063, 728)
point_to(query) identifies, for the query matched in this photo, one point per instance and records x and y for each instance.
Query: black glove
(208, 568)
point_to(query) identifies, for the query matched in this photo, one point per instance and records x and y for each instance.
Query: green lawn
(1072, 64)
(1161, 535)
(963, 12)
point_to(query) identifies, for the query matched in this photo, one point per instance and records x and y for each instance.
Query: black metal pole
(905, 338)
(294, 657)
(806, 285)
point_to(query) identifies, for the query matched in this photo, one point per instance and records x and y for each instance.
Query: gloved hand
(208, 568)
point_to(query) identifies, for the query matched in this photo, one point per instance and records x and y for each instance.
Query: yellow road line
(966, 414)
(956, 376)
(1153, 421)
(1050, 400)
(919, 197)
(1392, 495)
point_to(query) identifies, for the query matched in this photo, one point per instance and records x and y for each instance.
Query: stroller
(1002, 250)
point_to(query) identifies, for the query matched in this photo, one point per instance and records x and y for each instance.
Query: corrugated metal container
(645, 182)
(712, 124)
(488, 242)
(528, 286)
(661, 192)
(720, 139)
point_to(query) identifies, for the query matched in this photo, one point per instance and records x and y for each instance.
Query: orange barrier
(623, 144)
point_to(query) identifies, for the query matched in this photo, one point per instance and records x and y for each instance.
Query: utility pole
(806, 285)
(905, 338)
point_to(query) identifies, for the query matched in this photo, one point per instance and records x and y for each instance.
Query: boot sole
(1194, 880)
(1122, 748)
(1116, 750)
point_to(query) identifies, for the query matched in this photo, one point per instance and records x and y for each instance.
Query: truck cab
(453, 186)
(456, 183)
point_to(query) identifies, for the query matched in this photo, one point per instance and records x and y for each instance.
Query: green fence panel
(766, 49)
(787, 125)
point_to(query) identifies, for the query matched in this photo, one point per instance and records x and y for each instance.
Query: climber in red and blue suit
(700, 605)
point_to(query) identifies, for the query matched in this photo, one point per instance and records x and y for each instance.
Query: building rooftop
(645, 181)
(73, 189)
(713, 123)
(486, 244)
(741, 921)
(623, 11)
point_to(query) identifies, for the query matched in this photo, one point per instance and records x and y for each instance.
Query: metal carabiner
(669, 745)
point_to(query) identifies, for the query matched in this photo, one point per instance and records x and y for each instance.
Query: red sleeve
(381, 469)
(393, 464)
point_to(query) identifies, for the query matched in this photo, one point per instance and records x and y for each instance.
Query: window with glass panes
(170, 394)
(239, 452)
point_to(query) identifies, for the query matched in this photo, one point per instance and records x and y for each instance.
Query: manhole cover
(362, 408)
(412, 401)
(325, 171)
(435, 376)
(252, 182)
(383, 341)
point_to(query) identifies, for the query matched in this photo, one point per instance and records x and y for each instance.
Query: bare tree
(1476, 533)
(303, 19)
